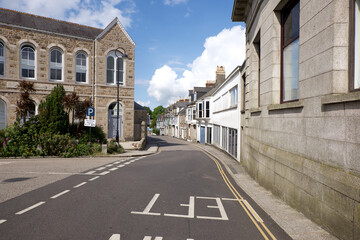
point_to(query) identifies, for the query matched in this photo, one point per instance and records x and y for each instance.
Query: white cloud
(87, 12)
(225, 49)
(174, 2)
(144, 104)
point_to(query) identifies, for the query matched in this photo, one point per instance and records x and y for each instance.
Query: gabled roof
(138, 107)
(14, 18)
(201, 89)
(111, 25)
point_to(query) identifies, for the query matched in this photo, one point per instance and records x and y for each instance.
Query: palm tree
(25, 104)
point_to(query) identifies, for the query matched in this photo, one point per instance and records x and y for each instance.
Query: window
(233, 96)
(200, 108)
(232, 149)
(217, 135)
(2, 114)
(114, 68)
(224, 138)
(56, 64)
(2, 59)
(243, 93)
(27, 62)
(290, 51)
(207, 109)
(194, 113)
(355, 55)
(81, 67)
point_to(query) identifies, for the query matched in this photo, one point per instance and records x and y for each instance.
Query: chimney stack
(210, 84)
(220, 75)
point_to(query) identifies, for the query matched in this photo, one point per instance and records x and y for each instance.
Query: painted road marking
(115, 237)
(2, 221)
(101, 168)
(219, 206)
(148, 207)
(149, 238)
(127, 163)
(253, 212)
(104, 173)
(81, 184)
(121, 165)
(30, 208)
(191, 211)
(94, 178)
(109, 165)
(117, 162)
(229, 199)
(91, 172)
(59, 194)
(113, 169)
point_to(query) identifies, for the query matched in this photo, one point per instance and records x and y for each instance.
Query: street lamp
(119, 54)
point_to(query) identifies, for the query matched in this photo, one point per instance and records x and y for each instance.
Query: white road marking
(59, 194)
(191, 211)
(2, 221)
(30, 208)
(100, 168)
(127, 163)
(91, 172)
(149, 206)
(94, 178)
(115, 237)
(120, 166)
(113, 169)
(109, 165)
(219, 206)
(149, 238)
(256, 216)
(81, 184)
(229, 199)
(104, 173)
(117, 162)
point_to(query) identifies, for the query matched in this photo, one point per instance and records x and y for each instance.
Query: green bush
(97, 135)
(114, 147)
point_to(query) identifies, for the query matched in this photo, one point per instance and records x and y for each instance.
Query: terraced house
(301, 118)
(83, 59)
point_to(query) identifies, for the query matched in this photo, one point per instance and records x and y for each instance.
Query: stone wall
(306, 152)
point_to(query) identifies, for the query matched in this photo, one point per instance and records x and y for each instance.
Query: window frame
(81, 66)
(115, 70)
(4, 58)
(56, 67)
(288, 7)
(352, 36)
(234, 96)
(27, 45)
(207, 109)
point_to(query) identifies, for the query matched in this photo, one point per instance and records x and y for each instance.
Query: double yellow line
(244, 204)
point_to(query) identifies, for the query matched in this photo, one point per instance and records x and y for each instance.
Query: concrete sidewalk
(293, 222)
(148, 150)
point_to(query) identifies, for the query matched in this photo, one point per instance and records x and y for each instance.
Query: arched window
(56, 64)
(27, 62)
(114, 72)
(81, 67)
(2, 59)
(2, 114)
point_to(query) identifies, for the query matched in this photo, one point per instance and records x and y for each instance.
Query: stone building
(83, 59)
(140, 117)
(301, 106)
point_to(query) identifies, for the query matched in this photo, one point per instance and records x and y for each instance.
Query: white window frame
(56, 65)
(81, 68)
(233, 96)
(27, 63)
(3, 58)
(207, 109)
(115, 70)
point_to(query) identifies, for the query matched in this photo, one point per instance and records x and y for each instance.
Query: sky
(179, 43)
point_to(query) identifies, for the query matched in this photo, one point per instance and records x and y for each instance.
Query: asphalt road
(178, 194)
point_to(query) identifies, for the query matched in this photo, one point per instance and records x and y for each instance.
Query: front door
(202, 134)
(112, 116)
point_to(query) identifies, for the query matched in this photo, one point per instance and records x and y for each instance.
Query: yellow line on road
(240, 200)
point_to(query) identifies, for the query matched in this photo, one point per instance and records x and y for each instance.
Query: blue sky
(179, 43)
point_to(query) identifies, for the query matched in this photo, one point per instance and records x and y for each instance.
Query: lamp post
(118, 54)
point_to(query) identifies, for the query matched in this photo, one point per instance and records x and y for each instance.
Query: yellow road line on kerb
(240, 200)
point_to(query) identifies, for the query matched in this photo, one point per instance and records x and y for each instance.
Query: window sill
(340, 98)
(255, 110)
(226, 109)
(289, 105)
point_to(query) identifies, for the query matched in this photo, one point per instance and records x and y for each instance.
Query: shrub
(97, 135)
(114, 147)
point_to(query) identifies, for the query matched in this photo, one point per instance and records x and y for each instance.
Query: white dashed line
(113, 169)
(91, 172)
(229, 199)
(59, 194)
(117, 162)
(127, 163)
(2, 221)
(30, 208)
(109, 165)
(81, 184)
(104, 173)
(120, 166)
(94, 178)
(101, 168)
(115, 237)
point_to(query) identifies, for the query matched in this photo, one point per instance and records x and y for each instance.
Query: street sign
(90, 123)
(90, 111)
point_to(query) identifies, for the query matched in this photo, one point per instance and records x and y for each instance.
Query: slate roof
(138, 107)
(11, 17)
(201, 89)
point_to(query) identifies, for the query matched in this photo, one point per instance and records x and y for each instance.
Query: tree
(149, 110)
(25, 103)
(52, 114)
(158, 110)
(70, 102)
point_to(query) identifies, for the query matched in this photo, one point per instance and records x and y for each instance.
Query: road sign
(90, 123)
(90, 111)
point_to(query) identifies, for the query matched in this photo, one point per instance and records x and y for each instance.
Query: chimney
(210, 84)
(220, 75)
